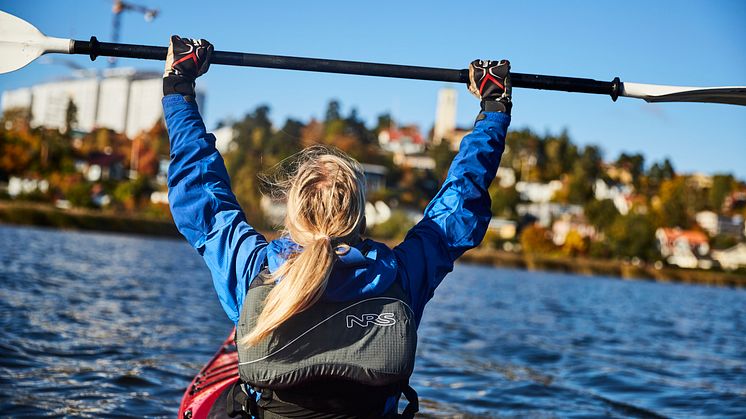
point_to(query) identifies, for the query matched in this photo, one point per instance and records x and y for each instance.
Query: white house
(545, 212)
(684, 248)
(538, 192)
(716, 224)
(618, 194)
(732, 258)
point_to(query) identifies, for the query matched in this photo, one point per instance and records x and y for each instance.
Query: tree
(504, 200)
(383, 121)
(722, 186)
(601, 214)
(658, 173)
(443, 155)
(535, 239)
(633, 235)
(559, 155)
(672, 204)
(332, 111)
(574, 244)
(71, 116)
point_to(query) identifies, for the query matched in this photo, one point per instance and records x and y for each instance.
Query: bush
(535, 239)
(80, 195)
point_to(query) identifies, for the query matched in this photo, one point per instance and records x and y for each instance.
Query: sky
(694, 43)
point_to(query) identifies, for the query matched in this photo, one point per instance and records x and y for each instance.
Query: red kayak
(214, 378)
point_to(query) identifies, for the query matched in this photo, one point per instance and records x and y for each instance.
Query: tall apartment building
(445, 114)
(125, 100)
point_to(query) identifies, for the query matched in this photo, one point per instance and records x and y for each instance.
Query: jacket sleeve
(204, 208)
(457, 218)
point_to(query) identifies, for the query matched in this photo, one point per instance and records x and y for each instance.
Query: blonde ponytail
(325, 205)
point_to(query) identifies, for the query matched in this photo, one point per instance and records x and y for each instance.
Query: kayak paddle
(21, 43)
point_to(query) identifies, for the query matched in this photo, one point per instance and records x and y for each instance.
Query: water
(98, 325)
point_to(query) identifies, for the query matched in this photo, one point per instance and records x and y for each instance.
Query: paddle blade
(731, 95)
(21, 43)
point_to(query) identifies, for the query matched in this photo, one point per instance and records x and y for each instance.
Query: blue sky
(699, 43)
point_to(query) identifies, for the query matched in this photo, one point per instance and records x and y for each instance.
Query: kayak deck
(217, 375)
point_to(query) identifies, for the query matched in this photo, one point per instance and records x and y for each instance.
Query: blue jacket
(207, 214)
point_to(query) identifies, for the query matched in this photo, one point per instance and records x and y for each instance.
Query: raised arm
(202, 204)
(457, 218)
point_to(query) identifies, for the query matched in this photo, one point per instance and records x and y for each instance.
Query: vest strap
(244, 406)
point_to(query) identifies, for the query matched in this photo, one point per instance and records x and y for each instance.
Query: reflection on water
(97, 325)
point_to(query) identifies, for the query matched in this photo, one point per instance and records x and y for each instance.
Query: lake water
(99, 325)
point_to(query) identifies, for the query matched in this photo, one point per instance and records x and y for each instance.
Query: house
(102, 166)
(375, 177)
(18, 186)
(619, 194)
(733, 258)
(684, 248)
(545, 212)
(538, 192)
(505, 177)
(376, 213)
(404, 140)
(562, 227)
(716, 224)
(504, 228)
(415, 161)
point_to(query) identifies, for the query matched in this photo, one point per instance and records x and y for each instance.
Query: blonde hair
(325, 210)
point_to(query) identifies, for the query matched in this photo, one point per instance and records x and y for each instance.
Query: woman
(326, 320)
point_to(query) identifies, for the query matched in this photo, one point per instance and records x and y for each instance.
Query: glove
(187, 59)
(490, 82)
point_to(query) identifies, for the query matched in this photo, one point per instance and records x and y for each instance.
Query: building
(505, 177)
(733, 258)
(404, 140)
(503, 228)
(375, 177)
(415, 161)
(546, 212)
(224, 138)
(684, 248)
(445, 115)
(716, 224)
(538, 192)
(619, 194)
(562, 227)
(124, 100)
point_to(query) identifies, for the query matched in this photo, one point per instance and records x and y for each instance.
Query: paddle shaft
(94, 49)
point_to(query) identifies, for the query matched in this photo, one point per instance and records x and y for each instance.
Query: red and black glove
(187, 59)
(490, 82)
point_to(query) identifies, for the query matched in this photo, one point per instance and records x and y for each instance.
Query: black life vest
(334, 359)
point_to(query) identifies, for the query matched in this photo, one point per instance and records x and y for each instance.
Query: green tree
(333, 111)
(633, 235)
(443, 155)
(395, 227)
(672, 207)
(504, 201)
(71, 116)
(722, 186)
(658, 173)
(559, 155)
(601, 214)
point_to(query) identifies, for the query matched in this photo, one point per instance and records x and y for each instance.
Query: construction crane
(120, 7)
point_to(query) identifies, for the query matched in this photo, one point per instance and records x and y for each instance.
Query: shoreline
(44, 215)
(603, 267)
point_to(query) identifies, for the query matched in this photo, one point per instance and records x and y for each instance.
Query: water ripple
(101, 325)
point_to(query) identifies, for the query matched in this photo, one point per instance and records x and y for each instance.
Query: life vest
(343, 359)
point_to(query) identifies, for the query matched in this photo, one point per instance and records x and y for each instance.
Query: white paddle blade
(21, 43)
(731, 95)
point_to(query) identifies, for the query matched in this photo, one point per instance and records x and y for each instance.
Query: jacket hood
(368, 269)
